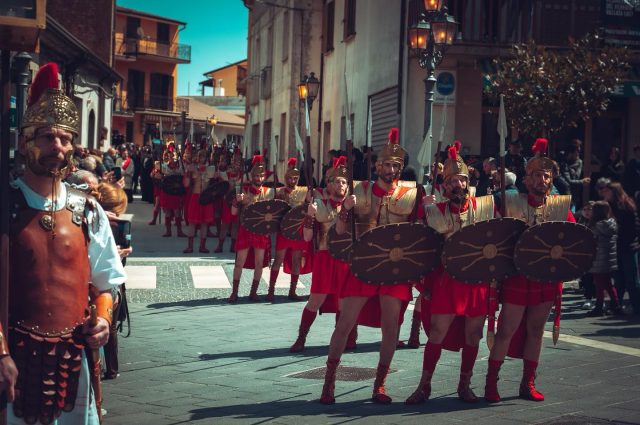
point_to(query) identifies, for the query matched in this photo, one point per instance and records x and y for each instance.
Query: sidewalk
(192, 358)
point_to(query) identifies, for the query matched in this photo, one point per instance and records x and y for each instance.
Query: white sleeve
(106, 267)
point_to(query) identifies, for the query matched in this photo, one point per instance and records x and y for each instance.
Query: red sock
(274, 275)
(469, 355)
(431, 356)
(294, 278)
(308, 317)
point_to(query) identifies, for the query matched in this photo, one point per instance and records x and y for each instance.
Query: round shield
(172, 185)
(215, 190)
(555, 251)
(230, 196)
(483, 251)
(264, 217)
(396, 253)
(292, 222)
(339, 246)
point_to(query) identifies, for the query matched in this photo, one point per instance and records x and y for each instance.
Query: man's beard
(389, 177)
(537, 191)
(458, 195)
(43, 167)
(340, 193)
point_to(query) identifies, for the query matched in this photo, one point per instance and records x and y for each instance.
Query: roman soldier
(385, 201)
(453, 312)
(292, 253)
(62, 255)
(252, 250)
(526, 303)
(199, 216)
(229, 222)
(328, 273)
(171, 203)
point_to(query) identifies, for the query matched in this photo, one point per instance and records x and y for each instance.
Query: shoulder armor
(484, 208)
(76, 203)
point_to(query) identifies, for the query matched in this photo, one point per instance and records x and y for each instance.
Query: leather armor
(294, 197)
(447, 223)
(555, 208)
(326, 217)
(200, 179)
(250, 197)
(372, 211)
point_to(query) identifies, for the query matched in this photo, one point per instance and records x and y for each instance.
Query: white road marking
(607, 346)
(207, 277)
(141, 277)
(283, 280)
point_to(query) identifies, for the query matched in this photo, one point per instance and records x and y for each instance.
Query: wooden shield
(215, 190)
(555, 251)
(339, 245)
(264, 217)
(396, 253)
(292, 222)
(172, 185)
(483, 251)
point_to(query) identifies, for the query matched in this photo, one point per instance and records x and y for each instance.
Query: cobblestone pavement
(192, 358)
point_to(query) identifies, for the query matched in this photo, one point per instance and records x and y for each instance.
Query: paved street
(192, 358)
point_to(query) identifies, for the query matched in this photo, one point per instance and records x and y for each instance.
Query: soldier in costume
(60, 240)
(171, 204)
(385, 201)
(453, 312)
(526, 304)
(252, 250)
(199, 216)
(293, 195)
(328, 273)
(156, 178)
(232, 174)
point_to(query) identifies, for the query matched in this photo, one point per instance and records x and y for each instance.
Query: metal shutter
(384, 116)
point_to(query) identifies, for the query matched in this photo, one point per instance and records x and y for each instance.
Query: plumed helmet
(292, 168)
(539, 162)
(454, 164)
(339, 169)
(392, 150)
(257, 165)
(47, 105)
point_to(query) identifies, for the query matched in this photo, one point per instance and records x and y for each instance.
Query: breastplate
(372, 211)
(556, 208)
(448, 222)
(295, 197)
(49, 277)
(200, 180)
(264, 195)
(325, 217)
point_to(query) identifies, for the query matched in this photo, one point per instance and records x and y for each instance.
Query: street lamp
(212, 121)
(429, 38)
(308, 89)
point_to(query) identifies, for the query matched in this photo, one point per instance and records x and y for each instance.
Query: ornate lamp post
(428, 40)
(308, 89)
(212, 121)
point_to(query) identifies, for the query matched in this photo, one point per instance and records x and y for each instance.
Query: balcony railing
(133, 47)
(121, 106)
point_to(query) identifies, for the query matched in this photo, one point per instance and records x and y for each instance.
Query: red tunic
(327, 278)
(196, 213)
(170, 202)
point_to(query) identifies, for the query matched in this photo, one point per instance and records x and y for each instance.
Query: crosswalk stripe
(141, 277)
(207, 277)
(283, 280)
(607, 346)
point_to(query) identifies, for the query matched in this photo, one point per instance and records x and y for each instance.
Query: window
(329, 18)
(255, 137)
(163, 33)
(349, 19)
(286, 28)
(266, 141)
(132, 27)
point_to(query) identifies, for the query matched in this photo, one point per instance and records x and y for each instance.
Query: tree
(547, 91)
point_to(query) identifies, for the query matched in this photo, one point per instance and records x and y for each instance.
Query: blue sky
(216, 31)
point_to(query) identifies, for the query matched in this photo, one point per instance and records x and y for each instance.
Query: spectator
(88, 163)
(559, 183)
(489, 165)
(409, 174)
(146, 183)
(510, 187)
(83, 180)
(104, 143)
(571, 171)
(114, 202)
(631, 179)
(613, 166)
(109, 159)
(137, 162)
(128, 169)
(515, 162)
(626, 215)
(605, 263)
(586, 281)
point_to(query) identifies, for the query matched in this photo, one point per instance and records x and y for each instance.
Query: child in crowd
(606, 261)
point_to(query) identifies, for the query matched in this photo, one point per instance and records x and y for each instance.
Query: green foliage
(547, 91)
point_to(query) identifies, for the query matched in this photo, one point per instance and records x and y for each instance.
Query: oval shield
(396, 253)
(264, 217)
(339, 245)
(555, 251)
(292, 222)
(214, 191)
(172, 185)
(483, 251)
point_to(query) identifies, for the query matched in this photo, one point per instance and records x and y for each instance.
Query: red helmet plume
(540, 146)
(393, 135)
(452, 152)
(341, 160)
(458, 145)
(257, 159)
(46, 78)
(292, 162)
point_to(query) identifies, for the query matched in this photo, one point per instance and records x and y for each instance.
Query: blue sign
(445, 83)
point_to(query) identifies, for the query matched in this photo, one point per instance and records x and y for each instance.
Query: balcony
(133, 48)
(152, 102)
(121, 107)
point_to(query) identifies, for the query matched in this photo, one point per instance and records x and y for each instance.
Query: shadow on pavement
(280, 299)
(313, 351)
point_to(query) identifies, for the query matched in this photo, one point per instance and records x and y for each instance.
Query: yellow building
(228, 80)
(147, 54)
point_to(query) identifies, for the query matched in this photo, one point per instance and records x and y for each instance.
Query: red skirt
(157, 191)
(306, 262)
(455, 338)
(170, 202)
(284, 243)
(246, 239)
(226, 216)
(330, 276)
(519, 290)
(449, 296)
(196, 213)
